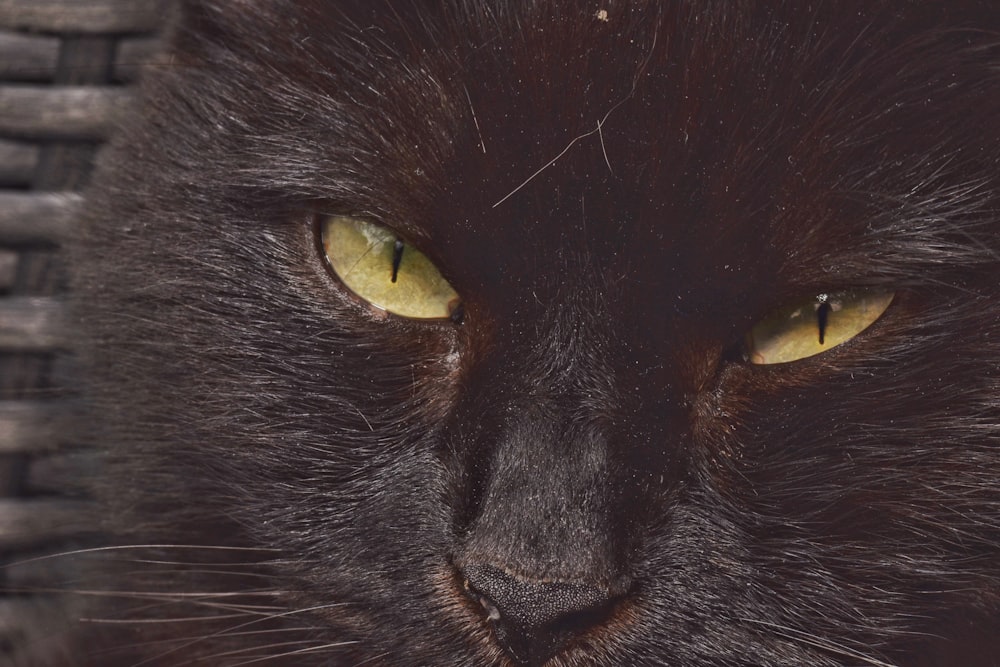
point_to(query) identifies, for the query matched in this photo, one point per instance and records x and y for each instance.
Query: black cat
(524, 332)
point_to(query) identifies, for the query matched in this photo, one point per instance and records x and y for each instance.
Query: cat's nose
(534, 619)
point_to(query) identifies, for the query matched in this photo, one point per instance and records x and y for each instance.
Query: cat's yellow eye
(385, 270)
(813, 326)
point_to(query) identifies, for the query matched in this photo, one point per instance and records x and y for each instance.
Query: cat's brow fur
(617, 198)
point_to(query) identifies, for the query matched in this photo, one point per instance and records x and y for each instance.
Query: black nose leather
(533, 619)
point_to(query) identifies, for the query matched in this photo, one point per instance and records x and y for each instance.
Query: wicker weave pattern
(64, 70)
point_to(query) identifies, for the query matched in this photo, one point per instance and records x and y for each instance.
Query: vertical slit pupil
(397, 258)
(822, 317)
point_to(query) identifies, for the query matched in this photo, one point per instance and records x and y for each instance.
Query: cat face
(523, 333)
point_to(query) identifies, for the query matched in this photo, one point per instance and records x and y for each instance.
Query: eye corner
(736, 352)
(457, 316)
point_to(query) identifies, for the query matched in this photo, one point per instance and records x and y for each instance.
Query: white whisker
(819, 642)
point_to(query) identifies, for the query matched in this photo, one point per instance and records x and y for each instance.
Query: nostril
(492, 613)
(533, 619)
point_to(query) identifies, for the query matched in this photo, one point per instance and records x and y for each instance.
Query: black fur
(618, 197)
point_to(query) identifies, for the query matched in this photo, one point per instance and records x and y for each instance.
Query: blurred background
(66, 71)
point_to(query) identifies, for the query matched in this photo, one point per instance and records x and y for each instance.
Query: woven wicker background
(65, 66)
